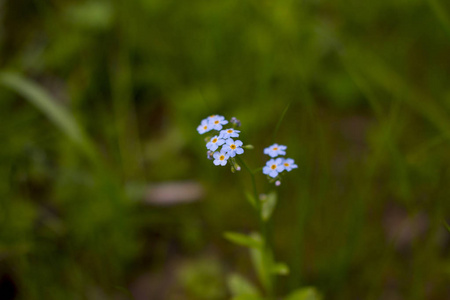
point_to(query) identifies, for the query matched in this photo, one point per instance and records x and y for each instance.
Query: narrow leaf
(242, 240)
(307, 293)
(280, 269)
(262, 261)
(439, 10)
(240, 286)
(247, 297)
(268, 205)
(49, 106)
(446, 225)
(250, 199)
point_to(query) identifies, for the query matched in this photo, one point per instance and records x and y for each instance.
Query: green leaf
(247, 297)
(250, 199)
(262, 261)
(243, 240)
(93, 15)
(268, 205)
(306, 293)
(439, 10)
(447, 226)
(49, 106)
(280, 269)
(240, 286)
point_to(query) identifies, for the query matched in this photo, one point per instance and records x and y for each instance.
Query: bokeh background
(105, 189)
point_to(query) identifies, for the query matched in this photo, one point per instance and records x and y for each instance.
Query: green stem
(266, 251)
(277, 127)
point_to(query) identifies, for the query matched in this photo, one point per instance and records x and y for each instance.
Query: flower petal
(273, 174)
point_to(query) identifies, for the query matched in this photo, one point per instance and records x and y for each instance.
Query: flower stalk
(223, 148)
(266, 250)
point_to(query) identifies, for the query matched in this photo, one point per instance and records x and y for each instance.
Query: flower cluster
(222, 138)
(274, 166)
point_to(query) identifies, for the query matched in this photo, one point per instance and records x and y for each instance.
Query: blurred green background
(105, 189)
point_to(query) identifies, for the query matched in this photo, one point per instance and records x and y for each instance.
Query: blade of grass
(361, 83)
(446, 225)
(385, 77)
(277, 127)
(423, 149)
(48, 105)
(440, 13)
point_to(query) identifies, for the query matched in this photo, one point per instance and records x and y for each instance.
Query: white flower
(221, 158)
(205, 126)
(289, 164)
(217, 121)
(273, 167)
(214, 143)
(229, 133)
(233, 147)
(275, 150)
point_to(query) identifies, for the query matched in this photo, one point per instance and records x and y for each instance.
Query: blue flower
(217, 121)
(289, 164)
(205, 126)
(273, 167)
(229, 133)
(211, 117)
(233, 147)
(214, 143)
(221, 158)
(275, 150)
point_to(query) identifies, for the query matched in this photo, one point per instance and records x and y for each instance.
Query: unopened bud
(209, 155)
(277, 183)
(234, 164)
(250, 147)
(235, 122)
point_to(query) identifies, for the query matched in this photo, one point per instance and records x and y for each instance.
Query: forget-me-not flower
(273, 167)
(289, 164)
(233, 147)
(205, 126)
(229, 133)
(275, 150)
(217, 121)
(214, 143)
(221, 158)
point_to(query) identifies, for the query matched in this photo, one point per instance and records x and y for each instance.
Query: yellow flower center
(286, 164)
(216, 122)
(230, 130)
(205, 127)
(233, 146)
(222, 157)
(214, 140)
(275, 148)
(273, 167)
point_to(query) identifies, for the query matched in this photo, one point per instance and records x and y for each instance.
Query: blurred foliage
(368, 126)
